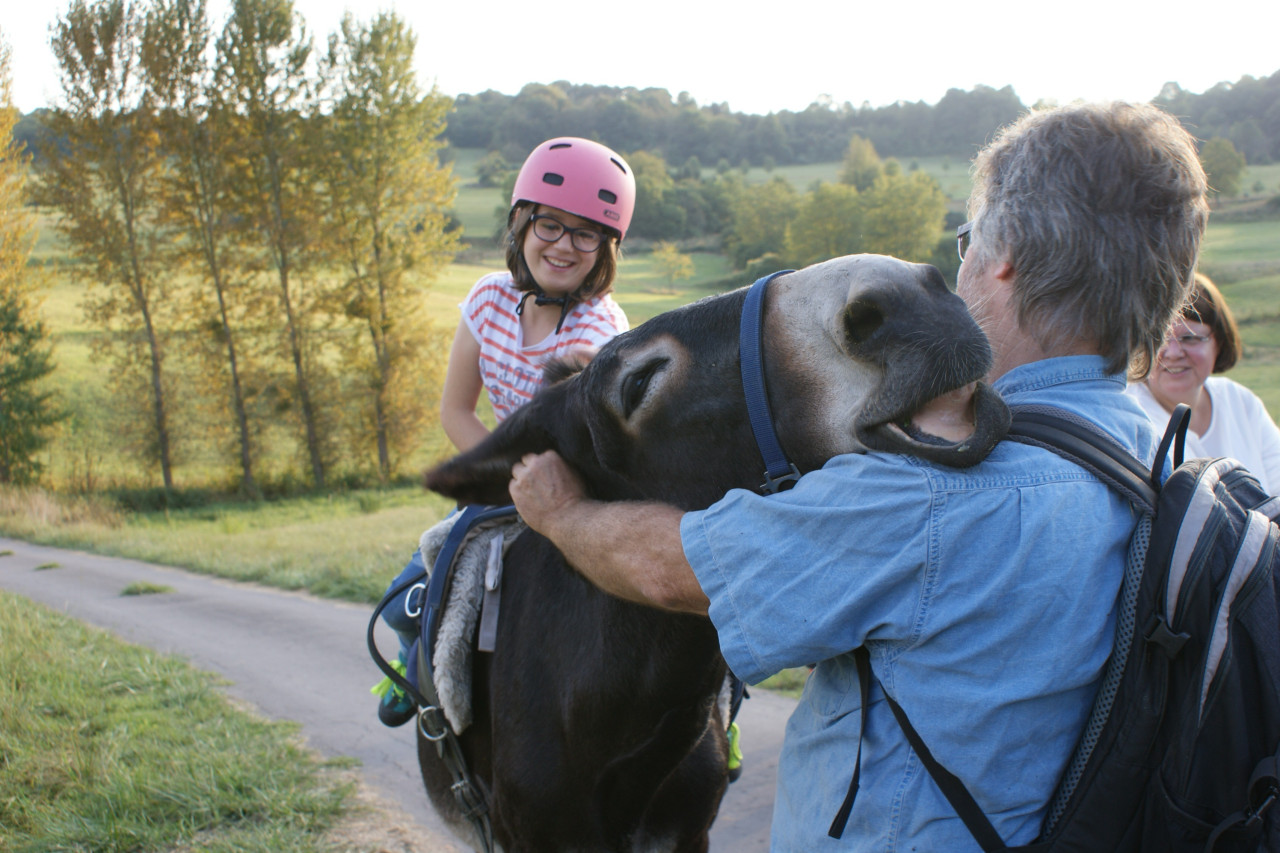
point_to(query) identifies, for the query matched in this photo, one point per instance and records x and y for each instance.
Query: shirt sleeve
(479, 302)
(801, 576)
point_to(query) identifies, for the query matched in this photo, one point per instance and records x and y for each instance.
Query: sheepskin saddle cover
(485, 545)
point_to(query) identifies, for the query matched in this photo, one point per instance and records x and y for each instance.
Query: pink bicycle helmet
(582, 177)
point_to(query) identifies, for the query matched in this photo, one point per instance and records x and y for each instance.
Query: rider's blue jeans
(404, 614)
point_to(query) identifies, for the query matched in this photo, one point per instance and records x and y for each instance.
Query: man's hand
(629, 549)
(544, 488)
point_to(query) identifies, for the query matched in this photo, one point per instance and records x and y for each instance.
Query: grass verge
(108, 747)
(347, 546)
(789, 682)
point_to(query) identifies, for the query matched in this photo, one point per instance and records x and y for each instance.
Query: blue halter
(779, 474)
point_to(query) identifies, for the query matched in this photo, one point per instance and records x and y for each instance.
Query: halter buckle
(772, 485)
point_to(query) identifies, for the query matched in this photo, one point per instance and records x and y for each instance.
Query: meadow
(376, 529)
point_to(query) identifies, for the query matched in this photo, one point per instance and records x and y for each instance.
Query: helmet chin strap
(540, 297)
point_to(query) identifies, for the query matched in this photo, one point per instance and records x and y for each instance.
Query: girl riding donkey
(570, 209)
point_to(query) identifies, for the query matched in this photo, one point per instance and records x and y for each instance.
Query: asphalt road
(296, 657)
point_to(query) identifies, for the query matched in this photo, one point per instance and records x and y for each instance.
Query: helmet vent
(559, 145)
(607, 197)
(621, 167)
(552, 178)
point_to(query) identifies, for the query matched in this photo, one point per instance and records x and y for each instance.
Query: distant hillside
(1246, 112)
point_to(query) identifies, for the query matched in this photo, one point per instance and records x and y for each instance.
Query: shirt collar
(1055, 371)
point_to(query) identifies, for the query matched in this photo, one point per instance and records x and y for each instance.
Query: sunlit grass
(107, 747)
(347, 546)
(1231, 248)
(145, 588)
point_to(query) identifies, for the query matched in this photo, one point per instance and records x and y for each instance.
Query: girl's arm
(462, 387)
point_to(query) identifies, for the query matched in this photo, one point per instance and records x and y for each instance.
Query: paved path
(297, 657)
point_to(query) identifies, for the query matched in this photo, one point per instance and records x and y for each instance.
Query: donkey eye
(636, 384)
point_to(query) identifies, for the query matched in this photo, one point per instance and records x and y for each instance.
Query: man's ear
(1003, 271)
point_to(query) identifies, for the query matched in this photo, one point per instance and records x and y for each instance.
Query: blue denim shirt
(986, 597)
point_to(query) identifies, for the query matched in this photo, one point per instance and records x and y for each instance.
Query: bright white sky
(762, 57)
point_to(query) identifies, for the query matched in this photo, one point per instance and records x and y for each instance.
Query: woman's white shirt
(1240, 427)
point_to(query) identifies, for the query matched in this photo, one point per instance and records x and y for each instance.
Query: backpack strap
(1083, 443)
(952, 788)
(862, 658)
(1264, 789)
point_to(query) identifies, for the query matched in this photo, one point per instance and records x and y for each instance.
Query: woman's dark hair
(1209, 307)
(597, 283)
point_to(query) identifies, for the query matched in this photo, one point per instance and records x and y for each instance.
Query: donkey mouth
(957, 429)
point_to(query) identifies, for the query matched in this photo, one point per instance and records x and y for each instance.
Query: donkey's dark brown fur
(596, 721)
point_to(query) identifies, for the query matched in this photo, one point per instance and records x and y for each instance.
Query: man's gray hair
(1100, 208)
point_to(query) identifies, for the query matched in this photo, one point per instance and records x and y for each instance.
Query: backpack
(1180, 750)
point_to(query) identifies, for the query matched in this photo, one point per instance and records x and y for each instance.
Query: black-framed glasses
(962, 238)
(550, 229)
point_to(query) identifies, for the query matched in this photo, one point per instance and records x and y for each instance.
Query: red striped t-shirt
(510, 369)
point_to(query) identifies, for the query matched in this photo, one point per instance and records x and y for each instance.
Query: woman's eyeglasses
(1190, 340)
(550, 229)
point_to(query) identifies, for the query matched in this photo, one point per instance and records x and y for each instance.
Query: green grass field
(107, 747)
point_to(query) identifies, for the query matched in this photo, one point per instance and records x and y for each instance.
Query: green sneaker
(735, 753)
(395, 708)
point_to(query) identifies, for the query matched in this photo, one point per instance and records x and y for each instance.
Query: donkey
(597, 725)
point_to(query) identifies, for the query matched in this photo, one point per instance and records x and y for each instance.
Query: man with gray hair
(985, 598)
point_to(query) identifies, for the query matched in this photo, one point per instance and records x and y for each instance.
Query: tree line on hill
(1246, 112)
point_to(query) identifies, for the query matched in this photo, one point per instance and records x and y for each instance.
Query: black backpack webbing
(1083, 443)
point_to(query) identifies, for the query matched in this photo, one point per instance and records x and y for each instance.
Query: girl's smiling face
(558, 267)
(1183, 363)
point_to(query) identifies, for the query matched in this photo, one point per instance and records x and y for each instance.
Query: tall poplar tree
(386, 200)
(27, 409)
(196, 193)
(263, 79)
(102, 170)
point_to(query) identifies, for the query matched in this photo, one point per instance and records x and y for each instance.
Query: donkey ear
(472, 479)
(482, 474)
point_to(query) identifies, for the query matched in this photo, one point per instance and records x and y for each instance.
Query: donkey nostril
(861, 320)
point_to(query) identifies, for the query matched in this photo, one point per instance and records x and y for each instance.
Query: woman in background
(1227, 419)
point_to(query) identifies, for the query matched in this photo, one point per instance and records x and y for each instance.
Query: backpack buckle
(1157, 631)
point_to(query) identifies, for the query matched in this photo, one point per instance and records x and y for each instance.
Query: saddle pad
(454, 638)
